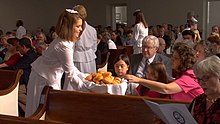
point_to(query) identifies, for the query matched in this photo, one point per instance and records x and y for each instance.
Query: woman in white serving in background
(140, 31)
(57, 59)
(84, 52)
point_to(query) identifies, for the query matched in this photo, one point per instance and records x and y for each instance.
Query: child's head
(121, 65)
(157, 71)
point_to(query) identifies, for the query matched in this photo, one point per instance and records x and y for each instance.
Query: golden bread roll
(116, 80)
(93, 75)
(97, 82)
(101, 82)
(103, 77)
(89, 77)
(101, 71)
(108, 80)
(98, 77)
(107, 74)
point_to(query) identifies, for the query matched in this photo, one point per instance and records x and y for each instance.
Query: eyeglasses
(204, 78)
(147, 47)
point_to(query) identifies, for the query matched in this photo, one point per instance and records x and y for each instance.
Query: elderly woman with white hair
(206, 107)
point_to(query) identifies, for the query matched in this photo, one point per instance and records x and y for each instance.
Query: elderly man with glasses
(139, 62)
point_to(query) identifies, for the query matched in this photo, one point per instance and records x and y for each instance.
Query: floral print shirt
(203, 115)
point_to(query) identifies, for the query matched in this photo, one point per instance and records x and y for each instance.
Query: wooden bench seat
(9, 83)
(93, 108)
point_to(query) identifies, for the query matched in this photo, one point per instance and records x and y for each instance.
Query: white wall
(44, 13)
(169, 11)
(34, 13)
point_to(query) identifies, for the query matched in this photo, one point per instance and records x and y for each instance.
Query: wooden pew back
(92, 108)
(9, 83)
(104, 64)
(5, 119)
(9, 78)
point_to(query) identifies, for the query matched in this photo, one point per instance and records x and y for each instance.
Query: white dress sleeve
(73, 77)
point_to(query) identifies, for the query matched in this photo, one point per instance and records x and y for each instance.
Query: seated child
(121, 68)
(156, 71)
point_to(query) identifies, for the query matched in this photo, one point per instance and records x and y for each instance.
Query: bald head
(162, 45)
(161, 41)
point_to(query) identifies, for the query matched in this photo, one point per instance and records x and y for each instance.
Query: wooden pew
(104, 64)
(129, 49)
(113, 54)
(5, 119)
(93, 108)
(9, 83)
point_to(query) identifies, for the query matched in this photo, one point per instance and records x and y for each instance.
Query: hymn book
(172, 113)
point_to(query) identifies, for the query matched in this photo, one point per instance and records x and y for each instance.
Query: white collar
(150, 59)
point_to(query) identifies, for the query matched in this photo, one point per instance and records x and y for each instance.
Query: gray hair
(207, 47)
(209, 65)
(153, 39)
(42, 44)
(106, 35)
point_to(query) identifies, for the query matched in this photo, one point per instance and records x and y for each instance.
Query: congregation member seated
(185, 86)
(9, 34)
(102, 48)
(188, 35)
(52, 34)
(162, 47)
(161, 34)
(156, 71)
(3, 49)
(12, 53)
(106, 37)
(121, 68)
(215, 30)
(40, 47)
(116, 38)
(28, 56)
(215, 43)
(203, 49)
(40, 36)
(205, 108)
(139, 62)
(129, 40)
(193, 26)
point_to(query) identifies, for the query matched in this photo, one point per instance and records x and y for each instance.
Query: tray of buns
(104, 82)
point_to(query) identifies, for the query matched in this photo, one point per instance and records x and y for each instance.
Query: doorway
(214, 17)
(119, 15)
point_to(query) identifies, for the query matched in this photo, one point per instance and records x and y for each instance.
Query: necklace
(211, 100)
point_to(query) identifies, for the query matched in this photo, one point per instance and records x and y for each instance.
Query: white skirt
(35, 86)
(86, 67)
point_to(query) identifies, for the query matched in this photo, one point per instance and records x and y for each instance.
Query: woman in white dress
(140, 31)
(57, 59)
